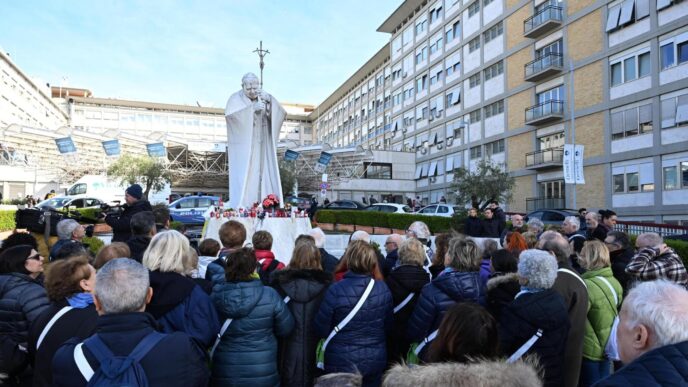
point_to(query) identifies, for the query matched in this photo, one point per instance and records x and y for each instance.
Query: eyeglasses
(37, 257)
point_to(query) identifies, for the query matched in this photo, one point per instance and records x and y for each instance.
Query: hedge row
(7, 220)
(387, 220)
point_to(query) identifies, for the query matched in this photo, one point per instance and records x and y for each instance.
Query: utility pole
(261, 53)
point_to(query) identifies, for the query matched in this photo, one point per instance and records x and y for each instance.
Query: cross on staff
(261, 53)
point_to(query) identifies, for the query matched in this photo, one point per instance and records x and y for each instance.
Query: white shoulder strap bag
(50, 324)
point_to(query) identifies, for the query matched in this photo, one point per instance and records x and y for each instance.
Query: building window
(494, 147)
(436, 77)
(486, 2)
(435, 14)
(631, 122)
(474, 8)
(630, 69)
(474, 80)
(661, 4)
(494, 70)
(436, 46)
(627, 13)
(422, 55)
(378, 171)
(421, 26)
(453, 32)
(476, 152)
(453, 66)
(453, 97)
(674, 53)
(674, 111)
(630, 183)
(474, 116)
(552, 141)
(553, 94)
(494, 109)
(474, 44)
(552, 48)
(676, 176)
(421, 84)
(493, 32)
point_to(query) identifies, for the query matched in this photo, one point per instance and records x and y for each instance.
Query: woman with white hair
(537, 320)
(178, 303)
(421, 231)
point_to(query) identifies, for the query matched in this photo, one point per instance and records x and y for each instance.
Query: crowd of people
(455, 309)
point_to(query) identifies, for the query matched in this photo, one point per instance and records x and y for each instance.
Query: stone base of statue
(284, 231)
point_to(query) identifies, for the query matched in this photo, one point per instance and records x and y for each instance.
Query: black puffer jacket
(501, 290)
(138, 245)
(402, 281)
(473, 227)
(521, 319)
(22, 300)
(121, 226)
(620, 259)
(296, 356)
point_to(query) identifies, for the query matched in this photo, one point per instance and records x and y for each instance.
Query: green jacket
(602, 309)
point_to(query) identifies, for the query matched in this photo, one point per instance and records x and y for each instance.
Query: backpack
(115, 370)
(265, 274)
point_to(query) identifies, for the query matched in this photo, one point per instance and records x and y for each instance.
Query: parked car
(300, 203)
(74, 203)
(345, 205)
(173, 197)
(446, 210)
(554, 216)
(190, 209)
(390, 207)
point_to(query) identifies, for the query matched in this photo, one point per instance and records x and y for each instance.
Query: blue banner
(291, 155)
(324, 158)
(65, 145)
(156, 150)
(111, 147)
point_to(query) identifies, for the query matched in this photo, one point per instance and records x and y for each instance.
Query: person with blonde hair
(302, 285)
(405, 282)
(459, 282)
(178, 303)
(359, 344)
(70, 284)
(604, 300)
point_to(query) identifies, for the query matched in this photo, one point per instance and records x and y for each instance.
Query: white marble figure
(254, 119)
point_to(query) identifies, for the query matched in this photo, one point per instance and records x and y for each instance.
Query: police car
(190, 209)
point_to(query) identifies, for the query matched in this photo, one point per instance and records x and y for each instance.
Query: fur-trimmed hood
(483, 374)
(494, 282)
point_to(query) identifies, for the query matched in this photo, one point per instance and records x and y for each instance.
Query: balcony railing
(546, 158)
(533, 204)
(544, 66)
(545, 20)
(545, 112)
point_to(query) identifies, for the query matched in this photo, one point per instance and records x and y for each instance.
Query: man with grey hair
(537, 313)
(571, 228)
(68, 231)
(595, 229)
(652, 336)
(121, 293)
(536, 226)
(517, 224)
(328, 261)
(392, 249)
(655, 260)
(575, 293)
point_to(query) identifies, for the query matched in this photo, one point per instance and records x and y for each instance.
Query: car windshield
(407, 209)
(55, 202)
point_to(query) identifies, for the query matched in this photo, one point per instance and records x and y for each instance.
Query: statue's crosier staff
(265, 128)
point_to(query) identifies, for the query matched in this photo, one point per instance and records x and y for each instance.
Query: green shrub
(177, 225)
(346, 217)
(372, 218)
(7, 220)
(325, 216)
(94, 244)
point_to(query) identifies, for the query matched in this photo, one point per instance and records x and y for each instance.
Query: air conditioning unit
(423, 150)
(433, 179)
(404, 75)
(450, 141)
(438, 114)
(440, 146)
(431, 118)
(404, 130)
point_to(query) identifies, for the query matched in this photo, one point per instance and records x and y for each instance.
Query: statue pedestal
(284, 232)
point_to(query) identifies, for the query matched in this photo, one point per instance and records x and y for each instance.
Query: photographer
(121, 224)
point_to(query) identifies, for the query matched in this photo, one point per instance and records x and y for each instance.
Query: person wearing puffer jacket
(302, 285)
(22, 300)
(604, 300)
(404, 281)
(503, 284)
(459, 282)
(360, 346)
(247, 352)
(178, 303)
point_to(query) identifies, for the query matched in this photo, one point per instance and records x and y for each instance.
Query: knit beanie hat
(135, 190)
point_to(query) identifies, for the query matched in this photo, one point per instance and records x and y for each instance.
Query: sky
(189, 52)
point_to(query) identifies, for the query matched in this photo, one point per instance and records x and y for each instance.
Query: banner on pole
(578, 164)
(156, 150)
(111, 147)
(291, 155)
(569, 177)
(65, 145)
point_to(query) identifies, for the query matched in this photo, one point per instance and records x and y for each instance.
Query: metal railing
(636, 228)
(550, 60)
(549, 13)
(545, 156)
(533, 204)
(545, 109)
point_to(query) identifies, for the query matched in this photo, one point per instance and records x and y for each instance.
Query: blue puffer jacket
(247, 354)
(440, 294)
(664, 366)
(361, 344)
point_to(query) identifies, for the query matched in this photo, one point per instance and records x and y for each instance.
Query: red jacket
(265, 257)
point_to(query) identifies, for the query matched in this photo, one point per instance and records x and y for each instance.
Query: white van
(111, 190)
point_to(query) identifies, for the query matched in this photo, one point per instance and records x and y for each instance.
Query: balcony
(544, 159)
(545, 112)
(542, 22)
(544, 66)
(533, 204)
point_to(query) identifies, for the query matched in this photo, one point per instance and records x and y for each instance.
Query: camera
(108, 210)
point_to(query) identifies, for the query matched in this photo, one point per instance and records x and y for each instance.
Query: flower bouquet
(271, 202)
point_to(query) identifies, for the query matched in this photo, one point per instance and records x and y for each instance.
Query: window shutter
(613, 18)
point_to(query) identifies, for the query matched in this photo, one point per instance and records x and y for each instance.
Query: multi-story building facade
(513, 81)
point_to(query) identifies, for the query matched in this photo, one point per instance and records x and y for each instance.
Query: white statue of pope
(254, 119)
